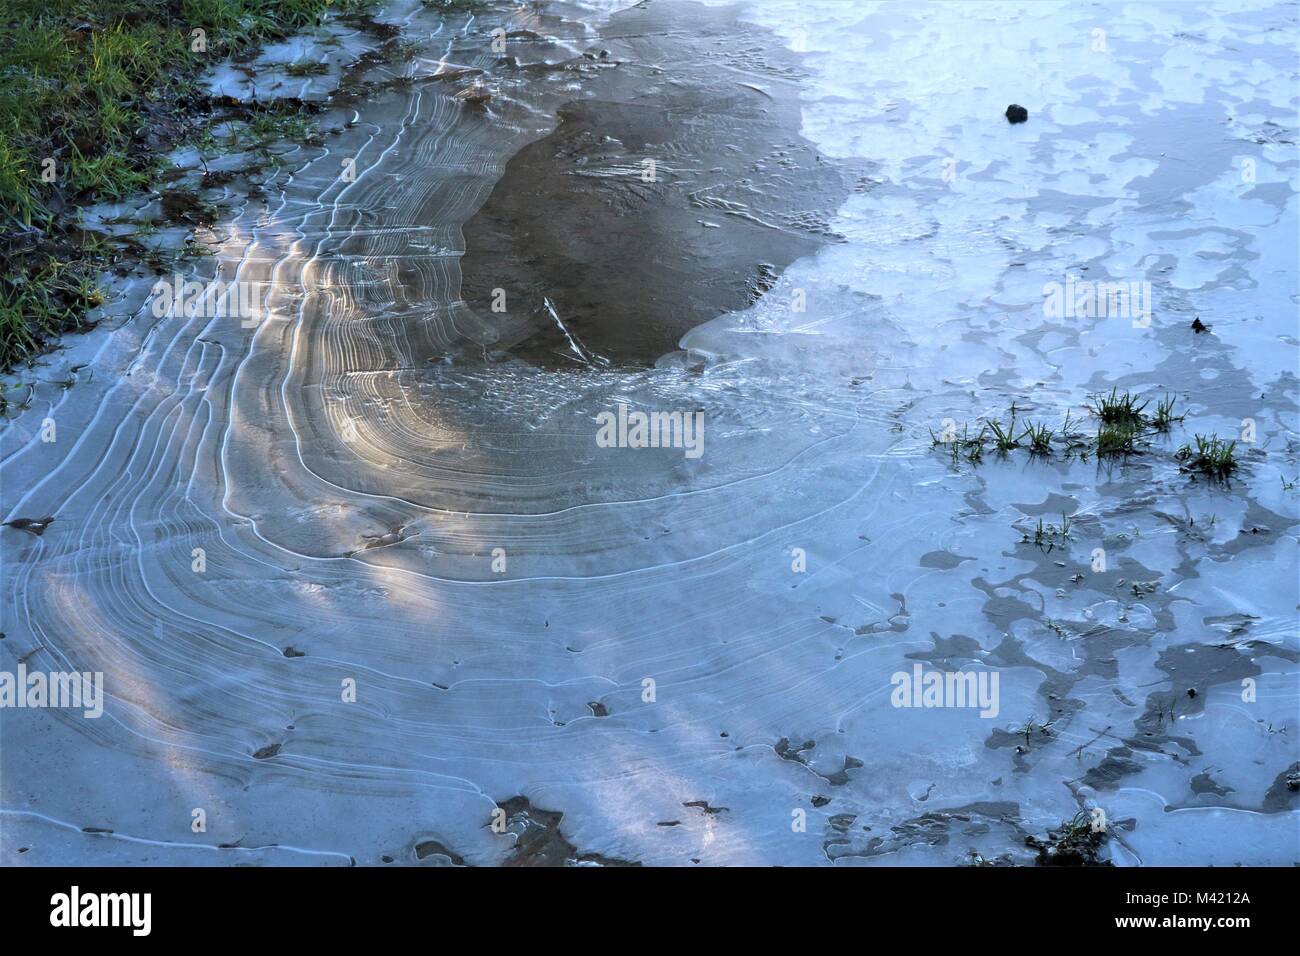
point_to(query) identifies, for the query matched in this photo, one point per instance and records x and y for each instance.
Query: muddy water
(645, 656)
(674, 190)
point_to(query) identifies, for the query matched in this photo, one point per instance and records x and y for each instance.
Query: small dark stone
(1191, 692)
(1017, 113)
(1198, 326)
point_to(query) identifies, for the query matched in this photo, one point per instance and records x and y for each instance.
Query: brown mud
(599, 265)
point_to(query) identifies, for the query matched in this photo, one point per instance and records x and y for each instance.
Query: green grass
(1040, 438)
(101, 89)
(1212, 456)
(1049, 536)
(1118, 408)
(1124, 426)
(1004, 439)
(1164, 417)
(1124, 421)
(78, 97)
(1076, 842)
(1080, 825)
(1118, 439)
(972, 447)
(273, 124)
(51, 301)
(20, 200)
(306, 68)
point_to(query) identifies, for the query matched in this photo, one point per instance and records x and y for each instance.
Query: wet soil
(673, 192)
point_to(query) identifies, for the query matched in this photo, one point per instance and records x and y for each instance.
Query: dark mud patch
(848, 837)
(675, 190)
(801, 754)
(1076, 842)
(432, 848)
(942, 560)
(539, 842)
(1284, 794)
(1205, 783)
(185, 206)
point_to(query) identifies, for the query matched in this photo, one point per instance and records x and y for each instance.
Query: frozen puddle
(364, 584)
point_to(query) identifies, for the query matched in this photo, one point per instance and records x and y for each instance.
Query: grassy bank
(93, 93)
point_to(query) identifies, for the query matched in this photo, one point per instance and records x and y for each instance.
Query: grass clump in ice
(1117, 439)
(1040, 438)
(1119, 408)
(1004, 439)
(273, 123)
(1047, 536)
(964, 445)
(1124, 427)
(1164, 417)
(1212, 456)
(306, 68)
(1123, 424)
(1125, 421)
(1076, 842)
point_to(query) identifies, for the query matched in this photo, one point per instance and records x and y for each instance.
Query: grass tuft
(1004, 438)
(1212, 456)
(1164, 417)
(1119, 439)
(1118, 408)
(306, 68)
(1040, 438)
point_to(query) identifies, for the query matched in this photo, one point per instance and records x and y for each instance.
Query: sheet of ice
(449, 538)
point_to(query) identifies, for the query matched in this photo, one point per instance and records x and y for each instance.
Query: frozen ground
(349, 468)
